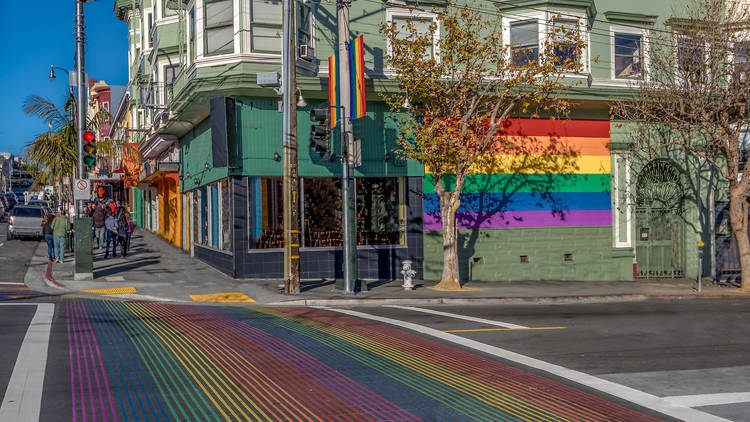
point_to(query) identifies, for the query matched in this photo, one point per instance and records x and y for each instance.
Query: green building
(210, 138)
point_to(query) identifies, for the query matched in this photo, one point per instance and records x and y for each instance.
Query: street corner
(224, 297)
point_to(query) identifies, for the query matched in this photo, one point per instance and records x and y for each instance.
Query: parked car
(11, 198)
(26, 221)
(39, 203)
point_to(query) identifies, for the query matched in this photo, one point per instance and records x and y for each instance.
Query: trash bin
(69, 248)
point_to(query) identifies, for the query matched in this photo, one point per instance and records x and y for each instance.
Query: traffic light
(89, 149)
(320, 131)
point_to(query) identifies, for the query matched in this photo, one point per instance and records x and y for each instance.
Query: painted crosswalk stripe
(476, 330)
(458, 316)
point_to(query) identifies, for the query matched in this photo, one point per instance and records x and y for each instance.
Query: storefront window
(322, 212)
(204, 215)
(265, 213)
(226, 216)
(196, 195)
(378, 218)
(215, 215)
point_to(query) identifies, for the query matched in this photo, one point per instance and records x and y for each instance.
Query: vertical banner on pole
(334, 96)
(357, 79)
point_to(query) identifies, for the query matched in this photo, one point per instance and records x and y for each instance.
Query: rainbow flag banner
(334, 96)
(564, 180)
(357, 80)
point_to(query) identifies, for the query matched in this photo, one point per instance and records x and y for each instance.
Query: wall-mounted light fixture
(301, 102)
(187, 175)
(387, 157)
(196, 180)
(276, 156)
(207, 166)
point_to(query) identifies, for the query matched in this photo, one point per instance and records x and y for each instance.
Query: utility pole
(347, 138)
(290, 183)
(82, 225)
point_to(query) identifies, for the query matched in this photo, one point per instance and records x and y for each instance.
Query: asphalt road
(14, 255)
(661, 347)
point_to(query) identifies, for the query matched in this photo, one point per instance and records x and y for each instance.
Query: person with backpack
(122, 232)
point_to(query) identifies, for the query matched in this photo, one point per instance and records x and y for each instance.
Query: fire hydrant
(408, 274)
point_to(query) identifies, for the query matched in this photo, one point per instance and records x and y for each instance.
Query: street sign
(82, 190)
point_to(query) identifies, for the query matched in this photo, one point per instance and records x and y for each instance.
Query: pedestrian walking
(48, 236)
(60, 228)
(111, 225)
(99, 216)
(131, 228)
(122, 233)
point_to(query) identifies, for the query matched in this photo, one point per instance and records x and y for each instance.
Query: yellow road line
(111, 291)
(504, 329)
(223, 297)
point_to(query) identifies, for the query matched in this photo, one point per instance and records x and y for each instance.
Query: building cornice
(630, 18)
(588, 5)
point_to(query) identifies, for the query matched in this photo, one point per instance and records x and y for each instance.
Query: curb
(510, 300)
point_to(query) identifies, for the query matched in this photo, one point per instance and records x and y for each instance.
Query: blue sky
(40, 33)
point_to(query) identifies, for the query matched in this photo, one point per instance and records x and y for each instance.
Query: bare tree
(695, 100)
(462, 87)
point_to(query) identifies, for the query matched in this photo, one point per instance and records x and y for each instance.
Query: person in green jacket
(60, 227)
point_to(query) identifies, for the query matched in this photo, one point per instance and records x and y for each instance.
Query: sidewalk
(156, 270)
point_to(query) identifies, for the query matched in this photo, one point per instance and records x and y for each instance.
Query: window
(150, 28)
(170, 73)
(421, 26)
(564, 37)
(219, 29)
(191, 33)
(226, 215)
(322, 212)
(690, 57)
(265, 213)
(524, 41)
(196, 213)
(741, 64)
(380, 211)
(265, 28)
(105, 105)
(303, 22)
(628, 52)
(165, 10)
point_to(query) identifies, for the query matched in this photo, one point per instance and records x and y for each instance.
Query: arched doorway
(660, 229)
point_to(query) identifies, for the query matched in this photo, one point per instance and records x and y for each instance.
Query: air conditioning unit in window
(306, 52)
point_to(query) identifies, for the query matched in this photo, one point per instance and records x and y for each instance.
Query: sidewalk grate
(223, 297)
(111, 291)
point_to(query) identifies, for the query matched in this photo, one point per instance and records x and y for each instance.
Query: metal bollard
(408, 274)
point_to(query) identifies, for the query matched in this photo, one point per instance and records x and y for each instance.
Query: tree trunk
(738, 220)
(449, 203)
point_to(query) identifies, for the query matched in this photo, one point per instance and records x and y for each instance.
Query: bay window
(524, 42)
(265, 26)
(219, 28)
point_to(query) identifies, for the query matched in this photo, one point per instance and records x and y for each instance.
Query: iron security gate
(658, 247)
(660, 229)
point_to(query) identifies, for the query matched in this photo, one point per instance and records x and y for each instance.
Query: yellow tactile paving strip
(111, 291)
(223, 297)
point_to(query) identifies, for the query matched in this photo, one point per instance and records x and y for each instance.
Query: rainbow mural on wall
(559, 176)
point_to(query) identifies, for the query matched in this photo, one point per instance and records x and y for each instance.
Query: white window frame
(741, 36)
(163, 64)
(392, 12)
(541, 20)
(162, 18)
(644, 33)
(618, 241)
(545, 32)
(200, 42)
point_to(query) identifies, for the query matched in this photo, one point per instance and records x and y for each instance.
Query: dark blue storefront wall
(381, 262)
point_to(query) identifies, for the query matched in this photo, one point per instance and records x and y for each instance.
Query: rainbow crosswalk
(153, 361)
